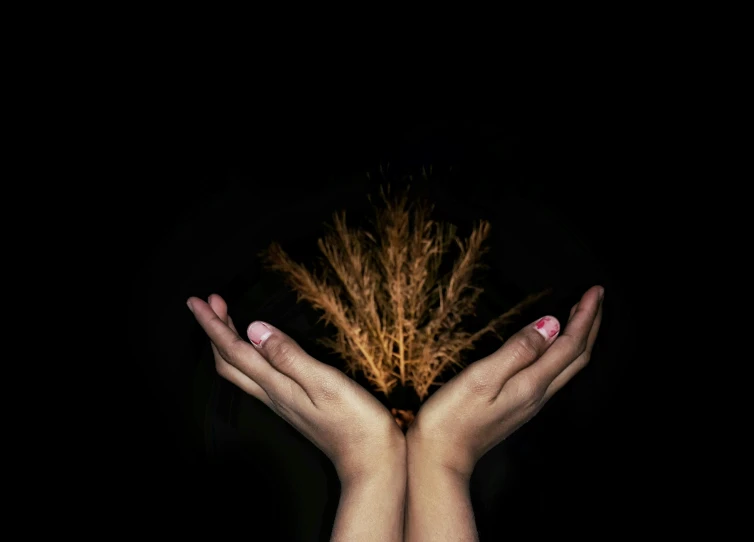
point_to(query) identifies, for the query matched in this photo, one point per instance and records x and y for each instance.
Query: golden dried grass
(395, 319)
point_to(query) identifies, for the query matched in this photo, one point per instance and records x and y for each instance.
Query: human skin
(479, 408)
(429, 470)
(336, 414)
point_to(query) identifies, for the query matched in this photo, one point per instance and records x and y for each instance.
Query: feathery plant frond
(395, 319)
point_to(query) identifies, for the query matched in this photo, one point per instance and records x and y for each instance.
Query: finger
(234, 376)
(219, 305)
(225, 369)
(518, 352)
(580, 362)
(285, 355)
(231, 325)
(573, 311)
(233, 349)
(570, 345)
(221, 310)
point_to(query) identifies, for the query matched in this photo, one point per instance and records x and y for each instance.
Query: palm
(494, 396)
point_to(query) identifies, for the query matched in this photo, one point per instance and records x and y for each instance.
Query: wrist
(438, 499)
(372, 499)
(386, 466)
(427, 458)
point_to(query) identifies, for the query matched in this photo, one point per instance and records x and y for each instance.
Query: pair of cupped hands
(453, 429)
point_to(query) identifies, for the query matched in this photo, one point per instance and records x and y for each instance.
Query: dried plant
(396, 320)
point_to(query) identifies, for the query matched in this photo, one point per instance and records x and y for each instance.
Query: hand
(340, 417)
(494, 396)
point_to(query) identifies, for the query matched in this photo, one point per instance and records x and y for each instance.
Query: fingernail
(189, 305)
(601, 294)
(547, 326)
(258, 333)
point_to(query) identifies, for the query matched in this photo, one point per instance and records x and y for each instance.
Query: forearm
(372, 506)
(438, 503)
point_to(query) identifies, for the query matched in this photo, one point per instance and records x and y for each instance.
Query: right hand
(496, 395)
(335, 413)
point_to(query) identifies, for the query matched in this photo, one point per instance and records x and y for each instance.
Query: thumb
(282, 352)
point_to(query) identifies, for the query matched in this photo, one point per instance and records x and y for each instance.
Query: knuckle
(586, 356)
(525, 347)
(529, 391)
(281, 352)
(584, 348)
(574, 347)
(231, 351)
(278, 406)
(478, 380)
(328, 390)
(582, 361)
(222, 368)
(331, 386)
(580, 364)
(225, 352)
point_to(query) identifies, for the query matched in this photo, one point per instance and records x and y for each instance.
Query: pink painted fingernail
(258, 333)
(548, 327)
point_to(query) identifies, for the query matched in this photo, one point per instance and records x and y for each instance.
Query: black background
(564, 204)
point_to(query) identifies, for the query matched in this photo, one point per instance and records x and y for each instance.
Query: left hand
(491, 398)
(336, 414)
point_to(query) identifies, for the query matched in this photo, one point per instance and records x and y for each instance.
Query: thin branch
(395, 319)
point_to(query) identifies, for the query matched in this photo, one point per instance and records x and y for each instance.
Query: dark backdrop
(563, 204)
